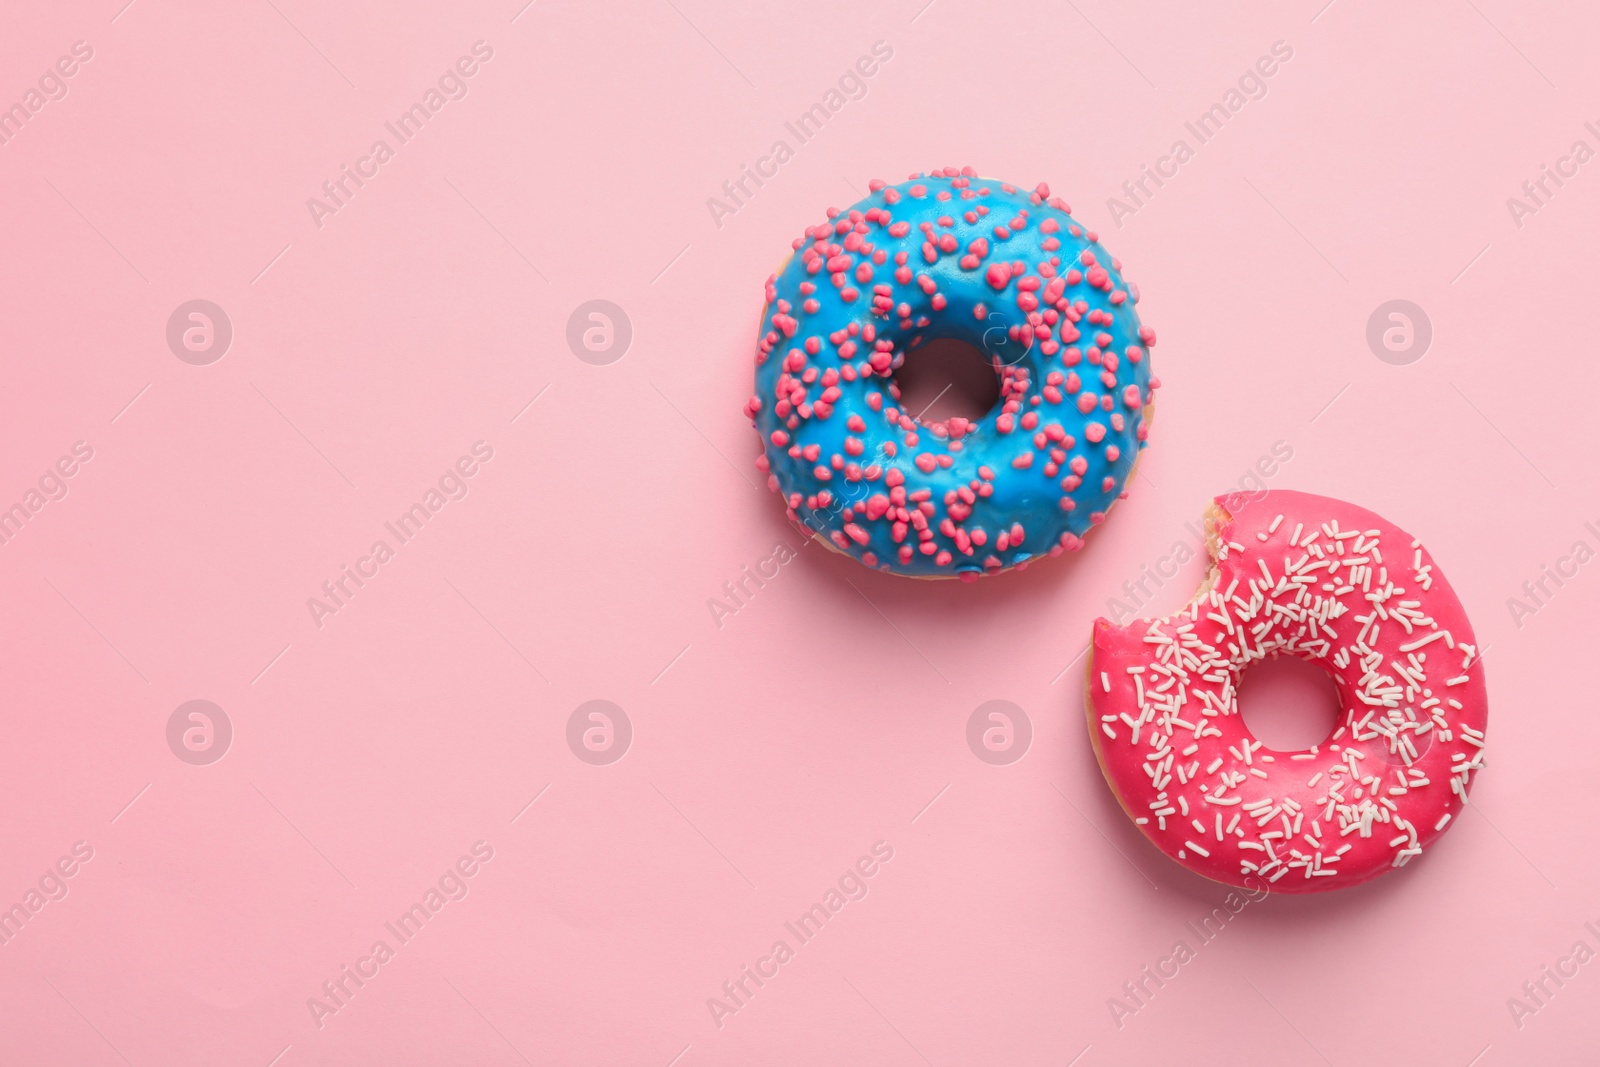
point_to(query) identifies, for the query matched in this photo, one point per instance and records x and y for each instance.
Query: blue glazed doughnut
(951, 255)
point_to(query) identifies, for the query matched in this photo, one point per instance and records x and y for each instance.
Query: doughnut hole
(1288, 703)
(945, 378)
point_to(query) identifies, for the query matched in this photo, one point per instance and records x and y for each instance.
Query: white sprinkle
(1434, 636)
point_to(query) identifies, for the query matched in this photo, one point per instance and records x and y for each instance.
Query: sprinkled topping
(950, 254)
(1345, 590)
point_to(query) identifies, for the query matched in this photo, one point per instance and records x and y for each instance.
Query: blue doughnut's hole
(945, 377)
(1289, 704)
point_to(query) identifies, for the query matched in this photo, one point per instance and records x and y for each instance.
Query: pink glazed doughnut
(1295, 574)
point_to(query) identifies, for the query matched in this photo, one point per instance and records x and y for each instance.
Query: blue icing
(846, 492)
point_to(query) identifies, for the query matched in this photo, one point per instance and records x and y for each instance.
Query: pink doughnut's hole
(946, 378)
(1288, 704)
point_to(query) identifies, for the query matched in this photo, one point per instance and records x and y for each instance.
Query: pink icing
(1335, 585)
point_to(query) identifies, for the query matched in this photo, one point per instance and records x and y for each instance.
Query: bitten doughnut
(1336, 585)
(949, 254)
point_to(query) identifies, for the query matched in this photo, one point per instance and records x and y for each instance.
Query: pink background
(830, 712)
